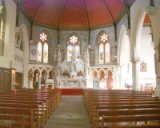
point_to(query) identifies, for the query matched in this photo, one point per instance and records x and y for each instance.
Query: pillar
(136, 74)
(157, 66)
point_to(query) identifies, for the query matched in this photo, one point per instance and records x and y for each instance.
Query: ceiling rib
(109, 11)
(19, 3)
(114, 23)
(85, 5)
(127, 7)
(61, 12)
(37, 11)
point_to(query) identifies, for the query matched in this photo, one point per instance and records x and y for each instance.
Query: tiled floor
(69, 114)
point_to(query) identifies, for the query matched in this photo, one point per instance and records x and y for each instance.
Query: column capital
(134, 61)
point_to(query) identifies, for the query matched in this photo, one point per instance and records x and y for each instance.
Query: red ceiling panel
(32, 6)
(74, 13)
(49, 13)
(115, 6)
(98, 13)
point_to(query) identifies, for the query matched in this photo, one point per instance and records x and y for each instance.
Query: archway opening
(147, 56)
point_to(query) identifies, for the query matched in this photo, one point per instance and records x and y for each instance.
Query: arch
(102, 74)
(30, 74)
(121, 44)
(147, 55)
(99, 35)
(136, 33)
(94, 73)
(36, 75)
(43, 77)
(109, 81)
(51, 74)
(73, 34)
(102, 83)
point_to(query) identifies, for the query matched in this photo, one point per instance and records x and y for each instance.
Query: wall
(23, 19)
(123, 21)
(5, 79)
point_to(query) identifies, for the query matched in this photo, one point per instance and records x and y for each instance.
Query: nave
(42, 108)
(69, 114)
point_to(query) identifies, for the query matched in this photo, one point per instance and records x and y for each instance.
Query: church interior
(96, 62)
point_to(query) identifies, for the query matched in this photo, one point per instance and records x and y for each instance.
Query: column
(96, 56)
(136, 74)
(157, 69)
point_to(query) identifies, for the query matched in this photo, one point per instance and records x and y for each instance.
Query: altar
(73, 72)
(71, 83)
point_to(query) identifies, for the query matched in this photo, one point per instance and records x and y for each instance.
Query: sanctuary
(104, 44)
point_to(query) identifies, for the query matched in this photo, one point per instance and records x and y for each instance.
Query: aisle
(69, 114)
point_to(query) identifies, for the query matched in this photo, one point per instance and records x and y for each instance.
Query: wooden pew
(26, 115)
(104, 106)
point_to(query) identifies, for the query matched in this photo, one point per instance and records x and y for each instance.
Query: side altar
(73, 72)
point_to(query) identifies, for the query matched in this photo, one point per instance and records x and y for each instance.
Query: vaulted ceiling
(75, 14)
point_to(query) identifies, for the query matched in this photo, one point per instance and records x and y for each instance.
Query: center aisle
(69, 114)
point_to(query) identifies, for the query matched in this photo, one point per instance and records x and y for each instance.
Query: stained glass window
(39, 56)
(73, 47)
(107, 53)
(45, 53)
(104, 48)
(42, 48)
(101, 53)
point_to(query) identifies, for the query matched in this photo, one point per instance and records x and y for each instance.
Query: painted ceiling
(78, 14)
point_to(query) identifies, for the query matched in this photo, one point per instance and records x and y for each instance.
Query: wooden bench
(109, 109)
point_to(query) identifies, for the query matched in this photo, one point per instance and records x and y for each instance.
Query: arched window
(45, 53)
(2, 26)
(42, 48)
(107, 53)
(39, 52)
(103, 48)
(73, 48)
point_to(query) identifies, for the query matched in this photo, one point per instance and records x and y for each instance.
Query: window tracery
(73, 47)
(42, 47)
(103, 48)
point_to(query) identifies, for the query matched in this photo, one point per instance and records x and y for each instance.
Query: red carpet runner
(71, 91)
